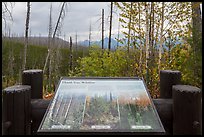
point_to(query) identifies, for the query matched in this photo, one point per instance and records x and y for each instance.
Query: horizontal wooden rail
(38, 109)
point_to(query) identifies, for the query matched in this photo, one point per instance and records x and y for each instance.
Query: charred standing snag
(187, 117)
(17, 110)
(167, 79)
(34, 78)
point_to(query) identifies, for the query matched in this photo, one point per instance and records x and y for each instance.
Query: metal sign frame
(101, 131)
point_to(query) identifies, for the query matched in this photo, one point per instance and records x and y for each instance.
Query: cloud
(78, 17)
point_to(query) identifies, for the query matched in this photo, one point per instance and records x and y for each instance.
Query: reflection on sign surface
(121, 105)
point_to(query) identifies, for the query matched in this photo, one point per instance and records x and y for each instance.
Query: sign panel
(101, 104)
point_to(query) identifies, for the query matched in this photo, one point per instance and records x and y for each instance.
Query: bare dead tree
(161, 37)
(152, 30)
(147, 42)
(50, 56)
(57, 56)
(50, 27)
(197, 39)
(49, 50)
(70, 50)
(11, 62)
(90, 34)
(26, 34)
(7, 14)
(74, 52)
(49, 36)
(129, 27)
(140, 38)
(76, 43)
(60, 18)
(151, 40)
(118, 32)
(111, 14)
(129, 36)
(102, 29)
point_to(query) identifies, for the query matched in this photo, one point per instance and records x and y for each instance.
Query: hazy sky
(77, 19)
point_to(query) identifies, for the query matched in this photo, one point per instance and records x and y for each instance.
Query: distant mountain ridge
(42, 41)
(125, 41)
(99, 43)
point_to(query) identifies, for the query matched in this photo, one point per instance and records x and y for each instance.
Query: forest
(159, 35)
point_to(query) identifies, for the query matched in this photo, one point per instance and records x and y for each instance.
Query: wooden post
(167, 79)
(17, 110)
(187, 110)
(34, 78)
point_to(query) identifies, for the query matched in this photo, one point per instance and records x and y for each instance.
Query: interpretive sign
(101, 105)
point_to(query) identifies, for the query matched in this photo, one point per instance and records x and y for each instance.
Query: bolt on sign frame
(101, 105)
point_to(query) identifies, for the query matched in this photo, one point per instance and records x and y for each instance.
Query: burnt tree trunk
(26, 35)
(70, 50)
(111, 13)
(102, 28)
